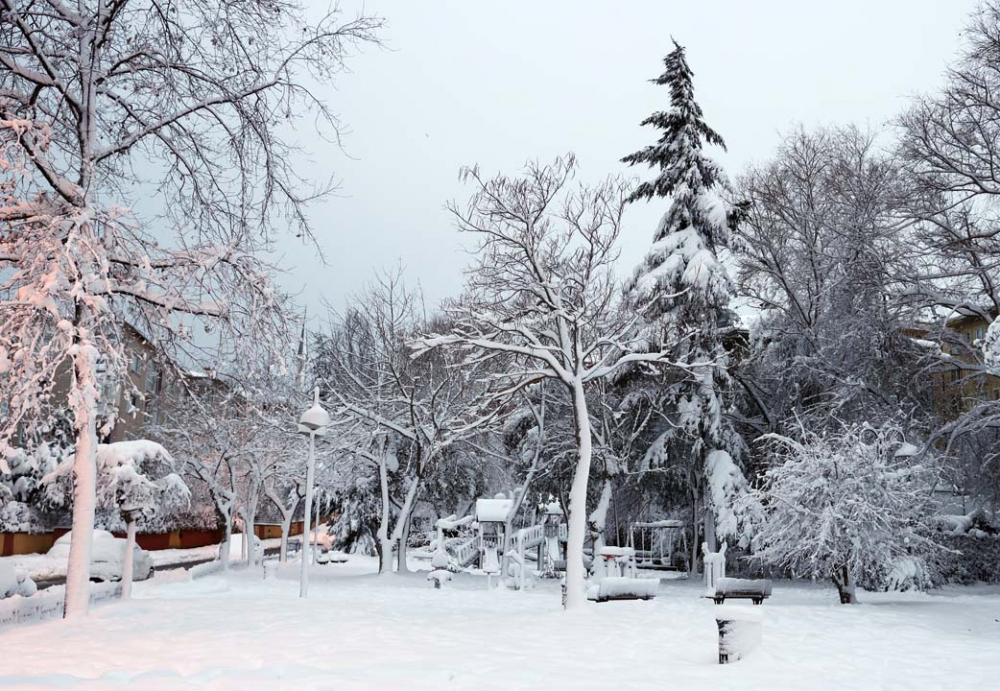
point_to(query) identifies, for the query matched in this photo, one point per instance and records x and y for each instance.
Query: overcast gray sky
(463, 82)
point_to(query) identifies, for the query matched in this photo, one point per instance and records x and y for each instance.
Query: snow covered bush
(15, 582)
(847, 506)
(966, 560)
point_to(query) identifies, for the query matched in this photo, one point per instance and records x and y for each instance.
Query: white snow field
(359, 631)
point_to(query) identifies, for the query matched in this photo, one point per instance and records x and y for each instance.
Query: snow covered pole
(304, 573)
(129, 558)
(313, 422)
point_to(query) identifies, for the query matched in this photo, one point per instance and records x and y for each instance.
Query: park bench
(620, 588)
(741, 589)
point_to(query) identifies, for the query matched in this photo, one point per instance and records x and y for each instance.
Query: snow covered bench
(619, 588)
(741, 589)
(331, 557)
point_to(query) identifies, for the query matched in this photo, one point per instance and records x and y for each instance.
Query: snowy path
(361, 632)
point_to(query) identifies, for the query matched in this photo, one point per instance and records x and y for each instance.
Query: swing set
(656, 544)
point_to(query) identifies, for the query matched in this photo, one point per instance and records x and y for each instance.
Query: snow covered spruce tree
(104, 104)
(540, 304)
(853, 506)
(681, 289)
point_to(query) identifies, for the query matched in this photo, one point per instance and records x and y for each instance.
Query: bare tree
(102, 101)
(822, 253)
(410, 413)
(541, 298)
(950, 143)
(286, 489)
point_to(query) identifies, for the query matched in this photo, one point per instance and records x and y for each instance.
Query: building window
(151, 377)
(136, 364)
(980, 333)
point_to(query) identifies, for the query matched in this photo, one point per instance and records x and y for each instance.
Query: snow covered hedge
(18, 517)
(974, 560)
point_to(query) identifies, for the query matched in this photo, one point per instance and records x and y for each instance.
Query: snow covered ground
(358, 631)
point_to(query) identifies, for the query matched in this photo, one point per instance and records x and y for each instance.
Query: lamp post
(313, 423)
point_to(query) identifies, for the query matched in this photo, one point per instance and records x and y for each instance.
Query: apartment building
(962, 385)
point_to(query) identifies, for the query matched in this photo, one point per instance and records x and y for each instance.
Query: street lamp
(313, 423)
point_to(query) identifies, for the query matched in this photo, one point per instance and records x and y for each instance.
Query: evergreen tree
(681, 289)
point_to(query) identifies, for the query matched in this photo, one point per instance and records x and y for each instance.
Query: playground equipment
(439, 574)
(541, 544)
(615, 562)
(440, 544)
(616, 577)
(553, 553)
(715, 567)
(491, 514)
(656, 542)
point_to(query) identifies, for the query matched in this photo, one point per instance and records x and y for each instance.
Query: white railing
(467, 552)
(526, 538)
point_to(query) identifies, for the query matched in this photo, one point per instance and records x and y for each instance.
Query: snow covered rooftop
(493, 509)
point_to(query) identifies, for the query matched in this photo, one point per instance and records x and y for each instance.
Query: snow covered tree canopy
(849, 506)
(176, 107)
(131, 477)
(697, 224)
(684, 133)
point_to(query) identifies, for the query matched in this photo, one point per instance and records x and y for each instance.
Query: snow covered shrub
(848, 506)
(967, 560)
(15, 582)
(357, 510)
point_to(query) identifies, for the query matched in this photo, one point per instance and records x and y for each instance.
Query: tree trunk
(129, 561)
(402, 529)
(846, 587)
(401, 566)
(249, 526)
(286, 526)
(599, 517)
(316, 535)
(695, 516)
(385, 544)
(576, 596)
(287, 513)
(227, 537)
(243, 534)
(84, 392)
(710, 538)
